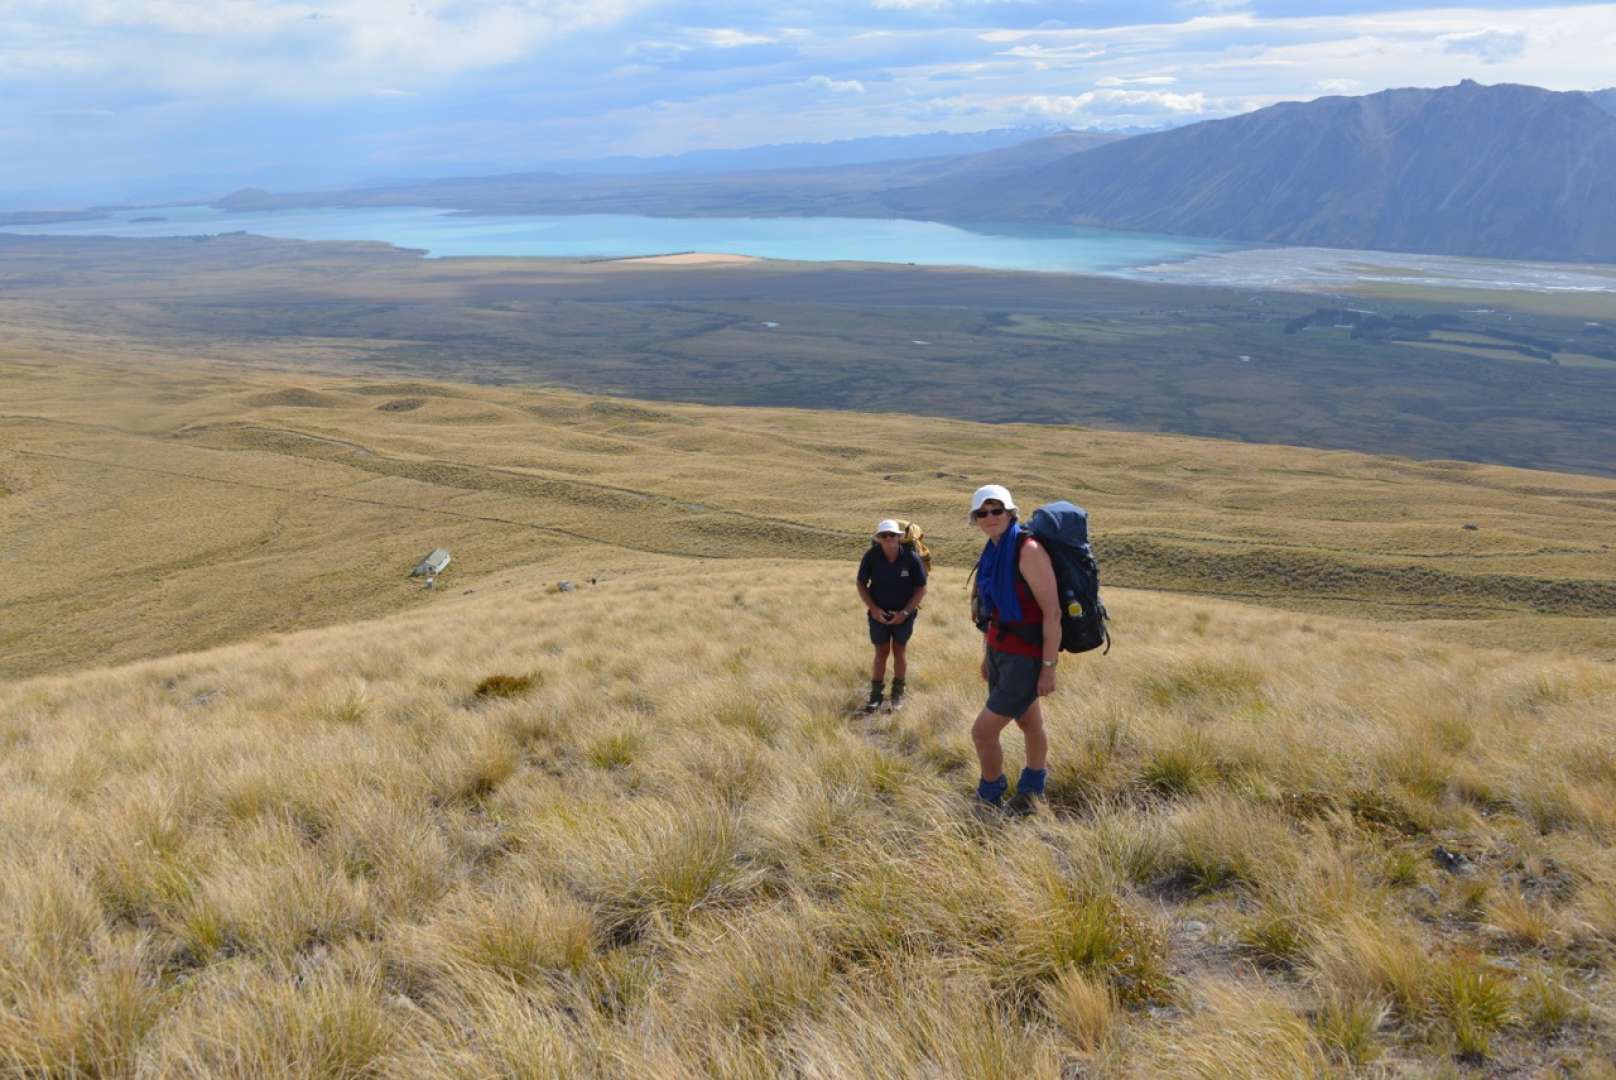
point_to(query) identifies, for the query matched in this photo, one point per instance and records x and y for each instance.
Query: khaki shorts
(1012, 683)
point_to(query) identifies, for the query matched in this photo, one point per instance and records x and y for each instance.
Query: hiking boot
(876, 698)
(1029, 792)
(991, 792)
(1023, 803)
(897, 694)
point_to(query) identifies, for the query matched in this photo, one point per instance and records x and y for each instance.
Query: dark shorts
(881, 633)
(1012, 683)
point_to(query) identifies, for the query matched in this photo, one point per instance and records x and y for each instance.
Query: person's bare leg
(878, 670)
(900, 660)
(985, 734)
(1036, 738)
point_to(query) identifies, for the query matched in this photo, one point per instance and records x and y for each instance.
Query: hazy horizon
(157, 99)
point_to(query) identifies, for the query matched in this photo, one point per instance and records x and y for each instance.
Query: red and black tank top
(1000, 635)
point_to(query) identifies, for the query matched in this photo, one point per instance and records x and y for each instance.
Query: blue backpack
(1062, 528)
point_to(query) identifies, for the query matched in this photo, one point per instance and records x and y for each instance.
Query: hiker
(892, 583)
(1015, 602)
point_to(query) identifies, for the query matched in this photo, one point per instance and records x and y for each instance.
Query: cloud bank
(135, 96)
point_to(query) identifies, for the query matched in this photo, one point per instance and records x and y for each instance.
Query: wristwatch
(1048, 663)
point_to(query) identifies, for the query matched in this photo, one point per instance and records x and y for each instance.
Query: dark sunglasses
(992, 511)
(886, 536)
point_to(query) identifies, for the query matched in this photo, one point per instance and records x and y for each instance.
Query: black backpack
(1063, 530)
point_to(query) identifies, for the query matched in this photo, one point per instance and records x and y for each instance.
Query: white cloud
(1136, 80)
(1112, 102)
(1336, 86)
(1056, 55)
(835, 86)
(1493, 46)
(730, 38)
(287, 48)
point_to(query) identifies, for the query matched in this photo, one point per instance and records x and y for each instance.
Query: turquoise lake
(1142, 256)
(443, 234)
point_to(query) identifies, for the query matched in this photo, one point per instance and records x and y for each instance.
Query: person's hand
(1046, 681)
(984, 669)
(902, 615)
(877, 614)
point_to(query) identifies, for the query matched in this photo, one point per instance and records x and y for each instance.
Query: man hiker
(1015, 598)
(891, 582)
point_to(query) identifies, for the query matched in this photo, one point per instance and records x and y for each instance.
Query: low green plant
(1473, 1002)
(1350, 1027)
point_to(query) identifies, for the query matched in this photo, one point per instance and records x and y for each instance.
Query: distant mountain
(813, 155)
(1501, 171)
(858, 190)
(1605, 99)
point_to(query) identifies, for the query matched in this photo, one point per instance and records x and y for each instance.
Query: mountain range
(1501, 171)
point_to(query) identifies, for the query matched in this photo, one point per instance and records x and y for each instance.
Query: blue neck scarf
(996, 573)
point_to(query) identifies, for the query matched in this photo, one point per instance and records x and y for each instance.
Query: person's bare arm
(914, 603)
(1039, 574)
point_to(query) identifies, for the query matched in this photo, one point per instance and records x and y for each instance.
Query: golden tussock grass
(168, 504)
(1297, 847)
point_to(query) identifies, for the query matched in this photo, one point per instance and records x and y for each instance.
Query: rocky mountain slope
(1499, 171)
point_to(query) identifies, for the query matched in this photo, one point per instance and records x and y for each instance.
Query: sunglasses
(992, 511)
(886, 536)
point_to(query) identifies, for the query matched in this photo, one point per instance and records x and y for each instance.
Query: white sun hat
(992, 491)
(888, 525)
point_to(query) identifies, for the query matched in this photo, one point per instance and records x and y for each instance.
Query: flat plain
(956, 343)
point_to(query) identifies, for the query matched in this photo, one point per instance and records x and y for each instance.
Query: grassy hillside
(150, 506)
(1276, 846)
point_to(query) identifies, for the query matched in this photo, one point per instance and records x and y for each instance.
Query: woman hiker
(1015, 593)
(891, 582)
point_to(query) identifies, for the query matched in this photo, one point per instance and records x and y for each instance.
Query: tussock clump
(1053, 925)
(1220, 841)
(1083, 1007)
(1350, 1027)
(494, 687)
(1236, 1032)
(522, 933)
(757, 976)
(1181, 767)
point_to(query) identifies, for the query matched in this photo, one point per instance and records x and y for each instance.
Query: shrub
(494, 687)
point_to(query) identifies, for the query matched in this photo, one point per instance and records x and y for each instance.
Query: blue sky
(129, 98)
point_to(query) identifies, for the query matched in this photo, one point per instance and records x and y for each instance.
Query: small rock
(206, 697)
(565, 586)
(1429, 894)
(1454, 862)
(1194, 928)
(1470, 528)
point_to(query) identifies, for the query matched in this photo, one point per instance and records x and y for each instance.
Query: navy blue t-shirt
(891, 584)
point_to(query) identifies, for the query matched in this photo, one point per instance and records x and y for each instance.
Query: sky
(124, 99)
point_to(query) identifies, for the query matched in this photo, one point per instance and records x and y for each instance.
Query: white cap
(992, 491)
(888, 525)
